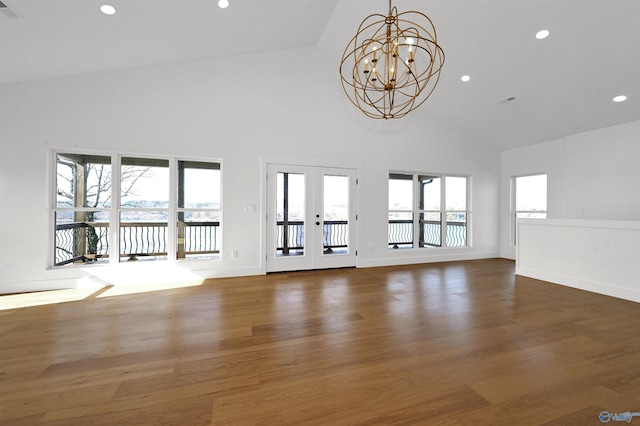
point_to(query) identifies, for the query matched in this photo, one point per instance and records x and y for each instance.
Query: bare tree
(90, 185)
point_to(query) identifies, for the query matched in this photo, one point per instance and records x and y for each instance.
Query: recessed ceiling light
(223, 4)
(620, 98)
(107, 9)
(542, 34)
(465, 78)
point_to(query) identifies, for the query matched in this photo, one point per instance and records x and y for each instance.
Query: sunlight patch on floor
(122, 290)
(26, 300)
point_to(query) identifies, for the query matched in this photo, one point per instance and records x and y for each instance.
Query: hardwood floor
(436, 344)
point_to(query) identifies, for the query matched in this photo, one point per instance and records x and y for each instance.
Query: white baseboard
(581, 283)
(432, 258)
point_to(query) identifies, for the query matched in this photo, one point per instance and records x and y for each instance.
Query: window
(529, 198)
(144, 208)
(198, 211)
(146, 202)
(427, 210)
(456, 211)
(400, 210)
(82, 213)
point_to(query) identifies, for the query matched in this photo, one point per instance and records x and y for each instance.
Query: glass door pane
(334, 229)
(335, 235)
(290, 214)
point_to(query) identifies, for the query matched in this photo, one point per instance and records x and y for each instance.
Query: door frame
(305, 162)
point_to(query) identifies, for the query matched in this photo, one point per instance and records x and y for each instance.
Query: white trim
(583, 223)
(172, 218)
(442, 255)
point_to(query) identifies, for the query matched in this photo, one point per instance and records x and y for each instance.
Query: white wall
(593, 175)
(243, 110)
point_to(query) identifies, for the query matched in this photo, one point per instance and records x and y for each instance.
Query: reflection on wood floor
(444, 344)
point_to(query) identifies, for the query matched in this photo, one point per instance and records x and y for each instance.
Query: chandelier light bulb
(223, 4)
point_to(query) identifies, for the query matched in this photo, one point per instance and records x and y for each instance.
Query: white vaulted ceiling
(561, 85)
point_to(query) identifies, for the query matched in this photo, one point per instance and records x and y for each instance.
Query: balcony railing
(335, 235)
(401, 234)
(79, 242)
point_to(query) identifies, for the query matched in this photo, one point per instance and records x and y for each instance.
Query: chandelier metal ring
(392, 65)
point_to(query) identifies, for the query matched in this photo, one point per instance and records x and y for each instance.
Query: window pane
(430, 229)
(400, 192)
(456, 229)
(83, 181)
(430, 192)
(531, 193)
(400, 230)
(81, 237)
(143, 235)
(198, 234)
(144, 183)
(198, 185)
(456, 193)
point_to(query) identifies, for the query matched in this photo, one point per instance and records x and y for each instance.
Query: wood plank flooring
(456, 343)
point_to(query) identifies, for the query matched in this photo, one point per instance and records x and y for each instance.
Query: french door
(311, 217)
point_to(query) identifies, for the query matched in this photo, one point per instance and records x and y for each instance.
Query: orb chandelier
(392, 64)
